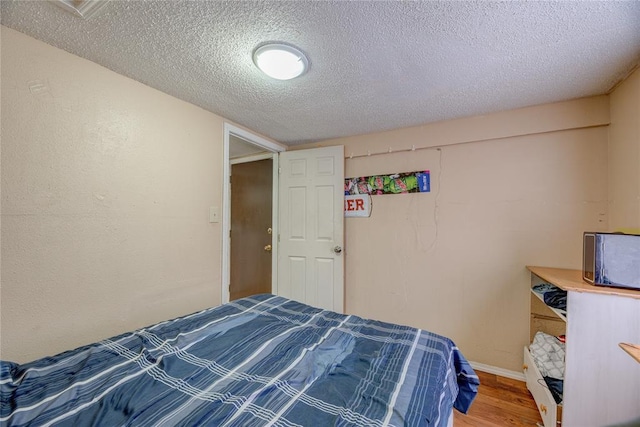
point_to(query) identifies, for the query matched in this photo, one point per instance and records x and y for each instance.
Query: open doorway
(307, 221)
(249, 256)
(251, 226)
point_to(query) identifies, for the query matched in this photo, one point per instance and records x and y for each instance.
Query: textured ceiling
(374, 65)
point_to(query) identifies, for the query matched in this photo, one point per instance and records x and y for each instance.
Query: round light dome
(280, 61)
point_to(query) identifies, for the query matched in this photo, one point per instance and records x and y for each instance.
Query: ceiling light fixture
(81, 8)
(280, 61)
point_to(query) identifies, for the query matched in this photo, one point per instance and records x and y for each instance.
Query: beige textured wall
(624, 155)
(106, 188)
(453, 261)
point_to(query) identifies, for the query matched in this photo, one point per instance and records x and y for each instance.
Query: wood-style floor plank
(500, 402)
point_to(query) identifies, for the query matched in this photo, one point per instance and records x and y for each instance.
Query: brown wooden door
(251, 210)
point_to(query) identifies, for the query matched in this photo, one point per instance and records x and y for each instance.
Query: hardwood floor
(500, 402)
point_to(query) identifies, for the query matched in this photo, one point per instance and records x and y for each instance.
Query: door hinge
(279, 171)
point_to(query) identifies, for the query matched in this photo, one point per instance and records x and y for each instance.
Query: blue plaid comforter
(259, 361)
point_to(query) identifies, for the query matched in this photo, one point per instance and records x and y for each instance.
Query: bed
(259, 361)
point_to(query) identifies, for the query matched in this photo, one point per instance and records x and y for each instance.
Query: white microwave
(611, 259)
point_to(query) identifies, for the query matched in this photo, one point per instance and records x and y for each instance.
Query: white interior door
(310, 259)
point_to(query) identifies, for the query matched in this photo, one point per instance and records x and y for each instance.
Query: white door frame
(274, 148)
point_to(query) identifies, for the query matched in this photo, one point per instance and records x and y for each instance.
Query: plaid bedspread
(259, 361)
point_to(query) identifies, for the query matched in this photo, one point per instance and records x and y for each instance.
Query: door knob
(337, 249)
(267, 248)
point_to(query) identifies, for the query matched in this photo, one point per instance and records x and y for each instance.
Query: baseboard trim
(514, 375)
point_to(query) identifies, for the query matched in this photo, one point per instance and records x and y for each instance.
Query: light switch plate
(214, 214)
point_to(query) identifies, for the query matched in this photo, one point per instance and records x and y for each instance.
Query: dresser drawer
(544, 400)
